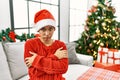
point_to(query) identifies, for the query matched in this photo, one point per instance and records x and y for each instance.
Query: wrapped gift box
(102, 55)
(108, 66)
(108, 59)
(114, 56)
(106, 55)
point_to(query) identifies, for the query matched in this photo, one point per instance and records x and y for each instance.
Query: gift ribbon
(113, 57)
(101, 52)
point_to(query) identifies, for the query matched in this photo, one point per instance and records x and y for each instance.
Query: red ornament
(12, 35)
(3, 38)
(93, 9)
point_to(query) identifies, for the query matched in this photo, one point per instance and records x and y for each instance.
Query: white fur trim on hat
(43, 23)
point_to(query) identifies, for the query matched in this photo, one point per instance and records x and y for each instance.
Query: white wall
(4, 14)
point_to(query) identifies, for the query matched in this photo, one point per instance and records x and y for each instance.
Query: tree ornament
(94, 9)
(113, 29)
(108, 26)
(96, 21)
(90, 45)
(108, 29)
(108, 20)
(104, 28)
(94, 54)
(95, 41)
(98, 41)
(101, 35)
(88, 50)
(114, 37)
(98, 17)
(103, 24)
(101, 44)
(105, 35)
(97, 30)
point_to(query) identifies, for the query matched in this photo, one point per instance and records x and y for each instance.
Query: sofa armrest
(85, 59)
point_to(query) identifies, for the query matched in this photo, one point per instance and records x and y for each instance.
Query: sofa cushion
(15, 56)
(72, 57)
(4, 68)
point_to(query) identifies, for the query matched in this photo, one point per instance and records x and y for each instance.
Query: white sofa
(12, 66)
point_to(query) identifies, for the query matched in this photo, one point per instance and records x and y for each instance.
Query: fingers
(27, 61)
(28, 64)
(27, 58)
(32, 53)
(65, 56)
(60, 48)
(64, 51)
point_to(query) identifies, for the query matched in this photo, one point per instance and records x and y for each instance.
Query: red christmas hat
(43, 18)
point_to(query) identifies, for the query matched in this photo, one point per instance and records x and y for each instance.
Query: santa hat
(43, 18)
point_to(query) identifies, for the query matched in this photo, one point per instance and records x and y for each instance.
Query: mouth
(46, 38)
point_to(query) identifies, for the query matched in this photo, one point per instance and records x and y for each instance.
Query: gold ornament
(101, 44)
(90, 45)
(113, 29)
(108, 29)
(113, 37)
(97, 31)
(101, 35)
(105, 35)
(96, 21)
(94, 54)
(110, 35)
(94, 41)
(103, 24)
(108, 20)
(98, 42)
(104, 28)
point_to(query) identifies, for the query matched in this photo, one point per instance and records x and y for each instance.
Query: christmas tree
(100, 29)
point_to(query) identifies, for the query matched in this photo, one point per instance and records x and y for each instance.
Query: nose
(47, 33)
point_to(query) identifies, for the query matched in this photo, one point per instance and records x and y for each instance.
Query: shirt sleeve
(51, 65)
(29, 47)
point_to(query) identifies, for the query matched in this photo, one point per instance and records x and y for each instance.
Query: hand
(61, 53)
(29, 60)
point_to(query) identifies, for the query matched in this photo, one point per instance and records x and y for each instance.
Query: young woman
(46, 58)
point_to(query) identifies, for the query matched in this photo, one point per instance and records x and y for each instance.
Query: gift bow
(113, 57)
(102, 52)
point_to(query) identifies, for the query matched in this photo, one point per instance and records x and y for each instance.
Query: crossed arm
(60, 54)
(58, 63)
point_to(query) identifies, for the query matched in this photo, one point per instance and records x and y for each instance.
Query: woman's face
(46, 32)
